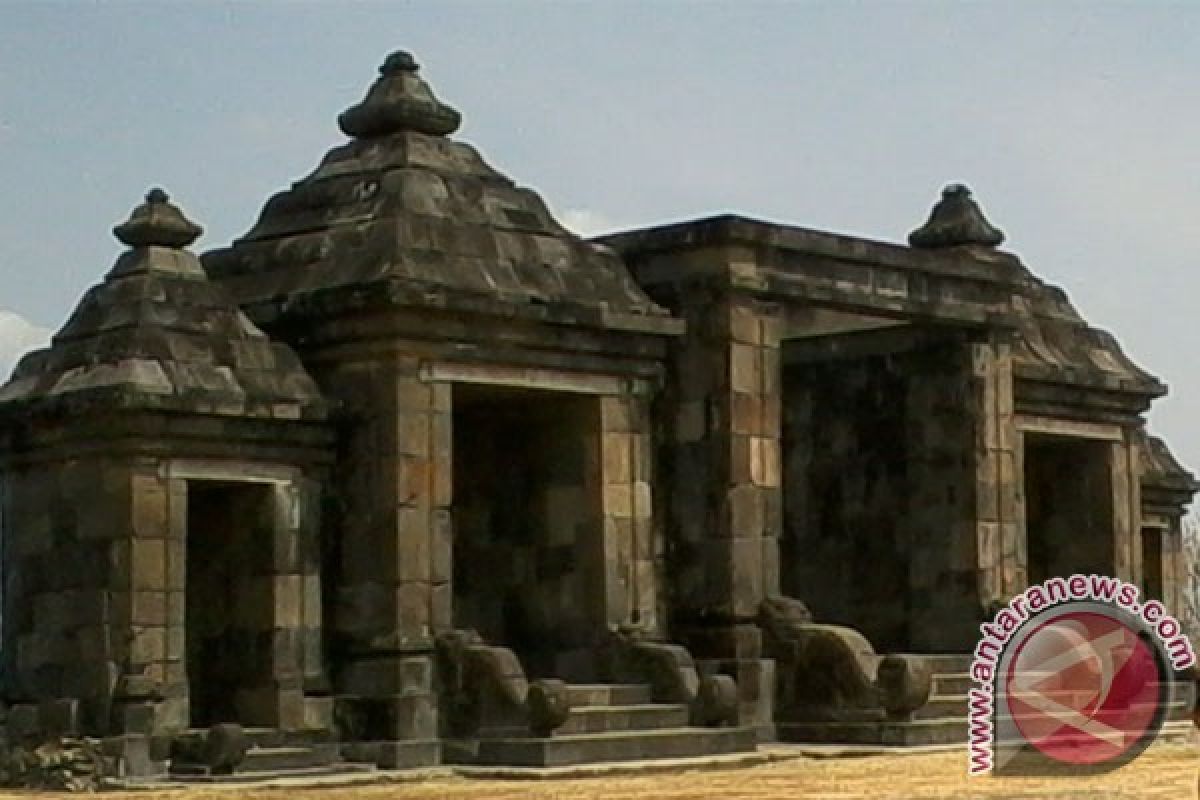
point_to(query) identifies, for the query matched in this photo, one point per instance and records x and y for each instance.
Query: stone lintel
(1051, 426)
(529, 378)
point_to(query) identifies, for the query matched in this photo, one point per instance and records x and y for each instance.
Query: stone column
(999, 533)
(157, 554)
(630, 549)
(1126, 508)
(1175, 569)
(727, 504)
(395, 582)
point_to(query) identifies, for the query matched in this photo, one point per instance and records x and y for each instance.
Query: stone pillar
(630, 551)
(999, 533)
(157, 555)
(727, 504)
(396, 539)
(1126, 508)
(1175, 570)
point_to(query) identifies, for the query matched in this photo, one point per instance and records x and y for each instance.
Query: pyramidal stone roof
(1055, 344)
(1160, 469)
(157, 334)
(404, 215)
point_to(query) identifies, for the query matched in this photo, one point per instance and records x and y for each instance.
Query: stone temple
(410, 474)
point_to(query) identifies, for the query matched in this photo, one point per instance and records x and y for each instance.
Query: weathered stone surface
(956, 220)
(399, 101)
(401, 205)
(156, 334)
(543, 474)
(225, 748)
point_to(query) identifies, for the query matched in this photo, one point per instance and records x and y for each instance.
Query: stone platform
(607, 723)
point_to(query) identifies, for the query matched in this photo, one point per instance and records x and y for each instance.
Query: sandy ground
(1163, 772)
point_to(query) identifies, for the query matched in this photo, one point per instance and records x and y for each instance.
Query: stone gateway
(410, 474)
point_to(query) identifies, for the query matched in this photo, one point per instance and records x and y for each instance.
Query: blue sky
(1077, 125)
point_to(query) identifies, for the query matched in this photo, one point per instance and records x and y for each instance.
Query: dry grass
(1163, 772)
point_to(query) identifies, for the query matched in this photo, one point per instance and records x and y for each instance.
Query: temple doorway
(528, 543)
(229, 602)
(1068, 506)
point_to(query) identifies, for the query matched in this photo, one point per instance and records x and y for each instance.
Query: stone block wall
(391, 566)
(846, 553)
(721, 467)
(881, 474)
(98, 605)
(69, 603)
(724, 466)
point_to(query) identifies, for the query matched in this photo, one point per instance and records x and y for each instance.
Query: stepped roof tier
(156, 334)
(402, 215)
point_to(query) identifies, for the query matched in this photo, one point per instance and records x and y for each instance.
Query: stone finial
(157, 223)
(399, 101)
(956, 220)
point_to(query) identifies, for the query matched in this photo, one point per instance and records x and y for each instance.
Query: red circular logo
(1084, 688)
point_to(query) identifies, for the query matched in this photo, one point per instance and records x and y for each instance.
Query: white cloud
(17, 337)
(586, 222)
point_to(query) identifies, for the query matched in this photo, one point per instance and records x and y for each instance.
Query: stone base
(594, 748)
(893, 734)
(137, 757)
(395, 755)
(756, 691)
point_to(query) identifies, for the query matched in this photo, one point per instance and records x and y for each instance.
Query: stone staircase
(272, 754)
(607, 722)
(943, 719)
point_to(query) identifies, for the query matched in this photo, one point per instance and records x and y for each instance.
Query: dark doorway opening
(229, 611)
(1152, 563)
(846, 459)
(1068, 507)
(528, 547)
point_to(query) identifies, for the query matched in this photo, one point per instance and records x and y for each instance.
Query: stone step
(960, 683)
(955, 705)
(594, 748)
(1172, 732)
(948, 663)
(643, 716)
(896, 734)
(328, 771)
(273, 760)
(407, 754)
(261, 737)
(945, 683)
(608, 694)
(943, 705)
